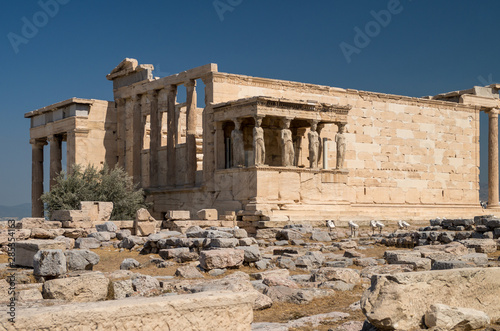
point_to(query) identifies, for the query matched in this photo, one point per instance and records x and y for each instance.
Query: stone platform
(201, 311)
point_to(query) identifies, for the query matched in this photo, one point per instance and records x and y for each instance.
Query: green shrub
(91, 184)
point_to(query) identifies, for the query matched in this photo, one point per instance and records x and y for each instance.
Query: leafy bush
(91, 184)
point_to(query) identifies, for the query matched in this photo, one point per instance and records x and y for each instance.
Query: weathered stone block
(49, 262)
(476, 288)
(202, 311)
(87, 243)
(444, 317)
(70, 216)
(207, 214)
(178, 215)
(252, 253)
(101, 236)
(221, 258)
(107, 227)
(81, 259)
(224, 242)
(144, 223)
(347, 275)
(481, 245)
(98, 211)
(25, 250)
(87, 287)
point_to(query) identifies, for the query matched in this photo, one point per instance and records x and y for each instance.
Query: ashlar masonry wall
(419, 155)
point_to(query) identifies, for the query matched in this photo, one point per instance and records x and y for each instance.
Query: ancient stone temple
(276, 150)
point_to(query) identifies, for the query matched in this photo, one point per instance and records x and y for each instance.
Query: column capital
(190, 83)
(53, 138)
(120, 102)
(171, 88)
(136, 97)
(152, 93)
(38, 142)
(493, 112)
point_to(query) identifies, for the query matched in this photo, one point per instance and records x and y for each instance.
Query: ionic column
(155, 139)
(493, 159)
(191, 118)
(121, 131)
(36, 177)
(55, 158)
(138, 134)
(171, 133)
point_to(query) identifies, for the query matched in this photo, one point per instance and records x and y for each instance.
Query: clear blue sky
(423, 48)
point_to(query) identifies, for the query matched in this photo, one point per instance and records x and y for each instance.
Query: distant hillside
(19, 211)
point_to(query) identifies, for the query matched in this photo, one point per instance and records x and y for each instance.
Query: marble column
(36, 177)
(121, 131)
(171, 134)
(493, 159)
(191, 119)
(155, 139)
(55, 158)
(138, 135)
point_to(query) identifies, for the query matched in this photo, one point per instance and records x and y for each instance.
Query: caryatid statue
(288, 153)
(313, 138)
(237, 145)
(259, 146)
(341, 146)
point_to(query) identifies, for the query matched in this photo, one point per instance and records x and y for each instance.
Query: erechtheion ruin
(277, 150)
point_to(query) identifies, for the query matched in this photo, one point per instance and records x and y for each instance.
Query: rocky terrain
(444, 276)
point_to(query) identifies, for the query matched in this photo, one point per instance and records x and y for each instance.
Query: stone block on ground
(447, 318)
(320, 236)
(69, 216)
(98, 211)
(106, 227)
(129, 263)
(25, 250)
(49, 263)
(475, 288)
(481, 245)
(87, 287)
(224, 242)
(207, 214)
(221, 258)
(188, 271)
(87, 243)
(144, 223)
(203, 311)
(146, 285)
(101, 236)
(346, 275)
(178, 215)
(252, 253)
(69, 242)
(81, 259)
(39, 233)
(120, 289)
